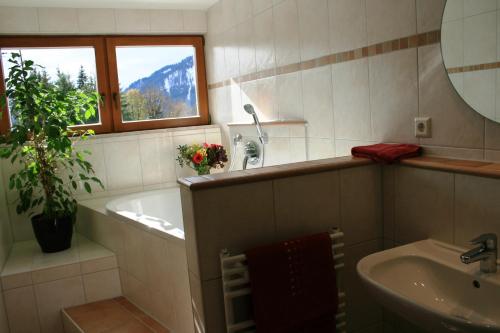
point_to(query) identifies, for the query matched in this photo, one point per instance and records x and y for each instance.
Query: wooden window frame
(58, 41)
(107, 77)
(202, 99)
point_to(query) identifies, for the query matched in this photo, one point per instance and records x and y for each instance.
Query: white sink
(426, 283)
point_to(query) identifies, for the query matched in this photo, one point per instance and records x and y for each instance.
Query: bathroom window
(145, 82)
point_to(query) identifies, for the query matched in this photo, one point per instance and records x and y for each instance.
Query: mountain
(176, 81)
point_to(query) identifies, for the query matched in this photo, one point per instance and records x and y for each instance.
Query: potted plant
(202, 158)
(40, 144)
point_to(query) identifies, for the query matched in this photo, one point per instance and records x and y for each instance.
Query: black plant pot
(53, 235)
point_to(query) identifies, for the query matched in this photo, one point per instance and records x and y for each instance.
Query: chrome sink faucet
(486, 253)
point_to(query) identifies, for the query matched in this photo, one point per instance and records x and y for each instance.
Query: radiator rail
(235, 282)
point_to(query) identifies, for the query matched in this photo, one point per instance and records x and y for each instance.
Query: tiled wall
(286, 144)
(23, 20)
(128, 162)
(453, 208)
(5, 245)
(267, 211)
(472, 53)
(153, 269)
(37, 287)
(375, 207)
(370, 99)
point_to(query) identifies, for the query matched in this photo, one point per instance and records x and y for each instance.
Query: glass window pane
(68, 68)
(157, 82)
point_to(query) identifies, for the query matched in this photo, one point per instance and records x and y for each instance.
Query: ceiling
(145, 4)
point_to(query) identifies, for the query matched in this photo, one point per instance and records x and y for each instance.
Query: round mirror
(471, 52)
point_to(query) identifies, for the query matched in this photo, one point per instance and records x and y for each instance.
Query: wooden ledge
(477, 168)
(272, 123)
(270, 173)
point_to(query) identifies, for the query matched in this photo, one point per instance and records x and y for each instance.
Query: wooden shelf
(477, 168)
(273, 123)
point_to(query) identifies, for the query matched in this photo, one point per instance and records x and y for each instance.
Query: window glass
(67, 68)
(157, 82)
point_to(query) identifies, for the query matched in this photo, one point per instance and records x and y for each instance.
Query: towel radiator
(236, 287)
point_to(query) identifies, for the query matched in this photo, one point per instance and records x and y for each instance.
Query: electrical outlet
(423, 127)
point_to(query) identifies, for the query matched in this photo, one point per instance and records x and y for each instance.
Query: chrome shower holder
(252, 154)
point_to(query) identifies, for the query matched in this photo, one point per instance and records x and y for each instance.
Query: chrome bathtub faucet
(486, 253)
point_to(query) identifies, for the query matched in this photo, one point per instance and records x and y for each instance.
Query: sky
(137, 62)
(133, 62)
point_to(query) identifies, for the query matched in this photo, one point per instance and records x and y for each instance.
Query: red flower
(206, 145)
(197, 158)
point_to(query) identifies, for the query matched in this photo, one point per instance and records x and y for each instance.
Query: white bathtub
(160, 210)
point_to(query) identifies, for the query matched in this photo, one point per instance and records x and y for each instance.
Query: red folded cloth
(387, 153)
(294, 287)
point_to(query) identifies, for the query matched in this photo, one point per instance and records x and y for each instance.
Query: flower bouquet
(202, 158)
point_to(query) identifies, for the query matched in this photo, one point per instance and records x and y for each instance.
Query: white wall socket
(423, 128)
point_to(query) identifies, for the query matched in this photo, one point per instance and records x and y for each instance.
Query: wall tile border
(474, 68)
(410, 42)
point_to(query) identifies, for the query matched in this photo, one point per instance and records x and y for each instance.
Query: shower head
(249, 109)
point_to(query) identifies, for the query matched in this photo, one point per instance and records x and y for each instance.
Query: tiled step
(116, 315)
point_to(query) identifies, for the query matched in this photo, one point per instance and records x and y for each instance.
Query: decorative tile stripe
(414, 41)
(474, 68)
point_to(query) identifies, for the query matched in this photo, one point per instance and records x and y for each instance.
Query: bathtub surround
(152, 263)
(263, 206)
(354, 102)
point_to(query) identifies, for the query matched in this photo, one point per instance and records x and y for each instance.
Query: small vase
(203, 172)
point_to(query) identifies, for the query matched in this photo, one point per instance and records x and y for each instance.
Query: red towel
(387, 153)
(294, 287)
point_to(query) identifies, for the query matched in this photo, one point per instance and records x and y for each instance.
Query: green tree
(87, 84)
(91, 85)
(134, 106)
(42, 77)
(179, 109)
(82, 79)
(63, 82)
(155, 103)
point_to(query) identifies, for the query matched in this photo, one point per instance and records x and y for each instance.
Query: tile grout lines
(413, 41)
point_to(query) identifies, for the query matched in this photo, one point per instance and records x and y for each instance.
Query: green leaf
(98, 181)
(87, 187)
(40, 137)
